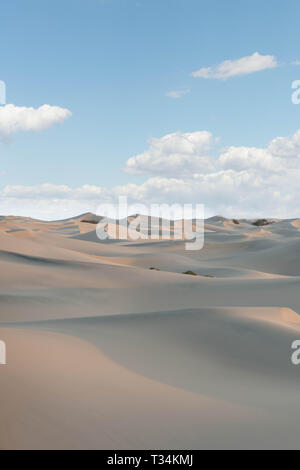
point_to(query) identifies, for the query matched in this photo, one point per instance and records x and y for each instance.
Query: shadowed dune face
(110, 344)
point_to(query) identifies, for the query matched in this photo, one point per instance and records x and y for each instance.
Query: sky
(165, 101)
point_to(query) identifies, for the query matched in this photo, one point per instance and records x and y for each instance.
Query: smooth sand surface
(104, 353)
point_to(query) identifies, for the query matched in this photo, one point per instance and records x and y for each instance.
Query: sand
(105, 353)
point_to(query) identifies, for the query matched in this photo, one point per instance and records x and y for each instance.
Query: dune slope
(104, 352)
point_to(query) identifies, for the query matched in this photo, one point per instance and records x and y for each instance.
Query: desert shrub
(261, 222)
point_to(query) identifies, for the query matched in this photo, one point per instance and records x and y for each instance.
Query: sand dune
(104, 352)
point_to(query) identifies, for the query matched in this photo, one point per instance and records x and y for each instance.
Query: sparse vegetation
(192, 273)
(262, 222)
(154, 269)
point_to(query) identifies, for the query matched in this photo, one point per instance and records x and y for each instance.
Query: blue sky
(112, 63)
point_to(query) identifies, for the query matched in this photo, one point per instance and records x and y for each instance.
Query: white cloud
(178, 93)
(282, 153)
(15, 118)
(246, 158)
(286, 147)
(50, 201)
(243, 66)
(240, 182)
(174, 154)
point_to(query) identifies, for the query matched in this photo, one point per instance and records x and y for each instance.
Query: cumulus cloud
(178, 93)
(227, 192)
(174, 154)
(282, 153)
(240, 182)
(286, 147)
(243, 66)
(15, 118)
(246, 158)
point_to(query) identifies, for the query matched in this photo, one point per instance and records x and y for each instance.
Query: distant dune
(111, 344)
